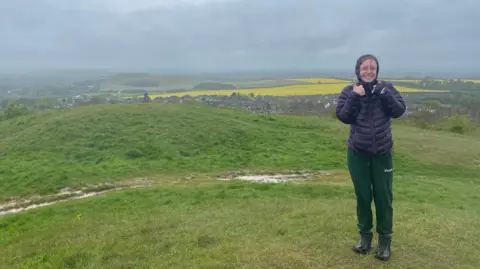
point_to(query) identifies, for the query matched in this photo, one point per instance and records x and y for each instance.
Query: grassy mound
(188, 220)
(67, 148)
(92, 144)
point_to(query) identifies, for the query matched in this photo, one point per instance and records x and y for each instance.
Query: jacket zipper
(372, 102)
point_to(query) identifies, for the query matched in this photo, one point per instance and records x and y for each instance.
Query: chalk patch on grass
(63, 196)
(276, 178)
(67, 194)
(280, 177)
(20, 209)
(272, 178)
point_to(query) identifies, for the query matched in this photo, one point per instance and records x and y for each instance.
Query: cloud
(239, 34)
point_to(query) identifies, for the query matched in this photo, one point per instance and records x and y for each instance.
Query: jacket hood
(360, 61)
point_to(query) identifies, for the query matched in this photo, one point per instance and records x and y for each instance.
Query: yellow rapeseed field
(319, 80)
(293, 90)
(472, 80)
(334, 80)
(440, 80)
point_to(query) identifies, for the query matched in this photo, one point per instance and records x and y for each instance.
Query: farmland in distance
(314, 86)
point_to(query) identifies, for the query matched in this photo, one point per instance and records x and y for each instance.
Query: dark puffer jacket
(369, 117)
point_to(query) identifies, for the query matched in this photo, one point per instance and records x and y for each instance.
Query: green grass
(56, 149)
(187, 219)
(241, 225)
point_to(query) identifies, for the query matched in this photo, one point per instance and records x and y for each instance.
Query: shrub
(14, 110)
(460, 124)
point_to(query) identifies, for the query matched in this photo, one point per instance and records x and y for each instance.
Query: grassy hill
(58, 148)
(187, 219)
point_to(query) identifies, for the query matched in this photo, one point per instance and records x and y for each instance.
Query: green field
(187, 218)
(131, 83)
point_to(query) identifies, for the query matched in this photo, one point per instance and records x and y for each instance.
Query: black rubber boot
(383, 249)
(365, 243)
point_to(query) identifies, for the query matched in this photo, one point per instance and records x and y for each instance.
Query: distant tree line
(436, 84)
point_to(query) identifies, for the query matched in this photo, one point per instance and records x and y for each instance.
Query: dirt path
(20, 205)
(17, 206)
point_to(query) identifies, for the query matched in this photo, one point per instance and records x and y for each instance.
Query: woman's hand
(358, 89)
(380, 89)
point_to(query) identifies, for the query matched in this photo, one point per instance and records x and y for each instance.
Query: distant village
(250, 102)
(257, 104)
(297, 105)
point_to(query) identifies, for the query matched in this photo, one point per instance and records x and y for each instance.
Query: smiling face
(368, 70)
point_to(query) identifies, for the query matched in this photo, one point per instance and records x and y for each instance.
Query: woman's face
(368, 70)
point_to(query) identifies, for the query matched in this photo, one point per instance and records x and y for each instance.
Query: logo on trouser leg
(388, 170)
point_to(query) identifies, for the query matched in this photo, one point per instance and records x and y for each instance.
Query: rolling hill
(188, 219)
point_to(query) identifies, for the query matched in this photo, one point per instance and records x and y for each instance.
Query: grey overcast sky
(216, 35)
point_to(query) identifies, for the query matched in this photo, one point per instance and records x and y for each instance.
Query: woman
(367, 106)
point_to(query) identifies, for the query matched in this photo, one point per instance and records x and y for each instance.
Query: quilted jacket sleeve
(348, 105)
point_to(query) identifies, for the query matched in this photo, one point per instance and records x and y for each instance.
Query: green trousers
(372, 180)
